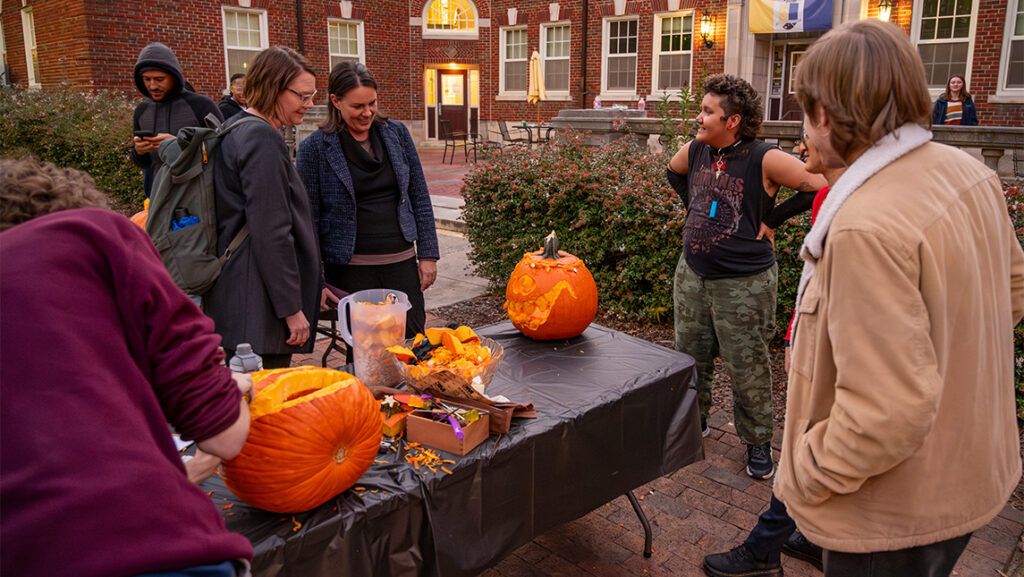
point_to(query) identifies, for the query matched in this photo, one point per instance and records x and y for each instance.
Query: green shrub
(611, 206)
(88, 131)
(1015, 203)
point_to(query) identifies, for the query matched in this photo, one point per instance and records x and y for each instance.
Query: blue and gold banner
(772, 16)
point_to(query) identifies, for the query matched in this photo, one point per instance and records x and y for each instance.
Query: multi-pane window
(344, 39)
(1014, 60)
(245, 35)
(556, 58)
(28, 29)
(673, 54)
(451, 15)
(514, 60)
(620, 55)
(944, 39)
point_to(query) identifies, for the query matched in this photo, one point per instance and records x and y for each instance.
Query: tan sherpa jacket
(900, 422)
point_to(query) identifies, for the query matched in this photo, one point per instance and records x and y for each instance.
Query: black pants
(775, 526)
(403, 276)
(935, 560)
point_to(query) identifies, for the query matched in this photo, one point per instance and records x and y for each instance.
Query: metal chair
(454, 140)
(331, 315)
(508, 140)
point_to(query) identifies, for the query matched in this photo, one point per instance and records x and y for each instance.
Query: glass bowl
(424, 377)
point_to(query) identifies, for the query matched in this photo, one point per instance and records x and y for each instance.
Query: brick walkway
(444, 179)
(707, 507)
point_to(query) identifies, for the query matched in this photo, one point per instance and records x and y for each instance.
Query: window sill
(1006, 98)
(619, 96)
(437, 35)
(511, 96)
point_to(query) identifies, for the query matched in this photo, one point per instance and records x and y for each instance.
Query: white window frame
(620, 95)
(28, 31)
(556, 94)
(5, 73)
(360, 48)
(473, 34)
(656, 91)
(264, 37)
(915, 37)
(504, 94)
(1007, 95)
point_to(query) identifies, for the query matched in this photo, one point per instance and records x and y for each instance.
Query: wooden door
(453, 98)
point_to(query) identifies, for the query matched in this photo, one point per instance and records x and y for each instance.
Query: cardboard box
(440, 435)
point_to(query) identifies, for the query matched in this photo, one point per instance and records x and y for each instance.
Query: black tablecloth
(614, 412)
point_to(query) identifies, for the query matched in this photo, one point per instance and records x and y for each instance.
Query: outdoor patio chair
(331, 331)
(508, 140)
(456, 139)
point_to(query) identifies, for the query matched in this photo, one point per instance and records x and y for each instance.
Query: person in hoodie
(234, 102)
(168, 107)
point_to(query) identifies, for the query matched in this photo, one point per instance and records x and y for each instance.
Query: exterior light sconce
(707, 28)
(885, 8)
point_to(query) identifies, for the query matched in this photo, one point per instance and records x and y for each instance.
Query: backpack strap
(235, 243)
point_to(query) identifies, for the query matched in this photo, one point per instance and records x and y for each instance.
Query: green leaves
(85, 130)
(610, 206)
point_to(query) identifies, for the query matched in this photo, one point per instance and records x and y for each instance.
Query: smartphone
(145, 133)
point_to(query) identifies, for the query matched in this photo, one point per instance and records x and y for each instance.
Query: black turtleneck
(377, 197)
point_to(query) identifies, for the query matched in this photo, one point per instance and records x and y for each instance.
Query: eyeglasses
(801, 149)
(305, 98)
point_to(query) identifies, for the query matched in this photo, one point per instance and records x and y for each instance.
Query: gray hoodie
(178, 108)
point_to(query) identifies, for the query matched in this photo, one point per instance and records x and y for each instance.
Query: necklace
(719, 164)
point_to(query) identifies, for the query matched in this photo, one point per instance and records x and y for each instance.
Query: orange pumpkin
(551, 294)
(313, 434)
(140, 217)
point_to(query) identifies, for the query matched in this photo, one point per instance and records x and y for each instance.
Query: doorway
(451, 92)
(782, 103)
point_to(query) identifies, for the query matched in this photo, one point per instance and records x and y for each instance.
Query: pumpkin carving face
(313, 434)
(551, 294)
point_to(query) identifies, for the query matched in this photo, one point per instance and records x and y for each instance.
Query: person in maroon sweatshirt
(100, 351)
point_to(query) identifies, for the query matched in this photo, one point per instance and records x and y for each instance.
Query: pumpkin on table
(551, 294)
(313, 434)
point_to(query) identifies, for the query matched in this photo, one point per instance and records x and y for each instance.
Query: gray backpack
(182, 217)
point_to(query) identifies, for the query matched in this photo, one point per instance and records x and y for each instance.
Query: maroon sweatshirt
(99, 351)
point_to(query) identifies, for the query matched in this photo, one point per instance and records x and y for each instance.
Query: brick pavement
(444, 179)
(707, 507)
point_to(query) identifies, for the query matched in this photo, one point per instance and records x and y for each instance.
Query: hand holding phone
(145, 133)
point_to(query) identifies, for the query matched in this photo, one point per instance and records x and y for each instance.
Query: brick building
(466, 60)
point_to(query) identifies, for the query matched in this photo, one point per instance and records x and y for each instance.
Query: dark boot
(740, 562)
(800, 548)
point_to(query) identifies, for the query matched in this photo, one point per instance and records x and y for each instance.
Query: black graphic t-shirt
(725, 212)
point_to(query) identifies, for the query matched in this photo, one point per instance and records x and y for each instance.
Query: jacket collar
(336, 159)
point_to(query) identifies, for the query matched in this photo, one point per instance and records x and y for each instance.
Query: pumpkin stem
(550, 246)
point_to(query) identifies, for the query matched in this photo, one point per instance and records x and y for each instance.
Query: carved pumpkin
(313, 434)
(551, 294)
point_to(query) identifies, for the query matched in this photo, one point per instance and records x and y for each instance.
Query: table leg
(643, 521)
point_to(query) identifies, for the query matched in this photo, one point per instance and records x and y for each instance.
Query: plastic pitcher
(377, 321)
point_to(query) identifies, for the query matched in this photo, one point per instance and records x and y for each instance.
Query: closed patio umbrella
(535, 91)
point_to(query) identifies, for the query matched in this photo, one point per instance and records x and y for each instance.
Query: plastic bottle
(640, 104)
(597, 102)
(245, 360)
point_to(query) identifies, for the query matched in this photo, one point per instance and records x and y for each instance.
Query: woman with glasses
(371, 206)
(268, 293)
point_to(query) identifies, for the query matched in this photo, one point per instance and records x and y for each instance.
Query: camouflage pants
(733, 318)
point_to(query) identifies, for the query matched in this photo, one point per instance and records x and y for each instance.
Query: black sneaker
(800, 548)
(759, 461)
(740, 562)
(705, 430)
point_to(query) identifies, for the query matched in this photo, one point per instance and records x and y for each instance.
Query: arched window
(447, 18)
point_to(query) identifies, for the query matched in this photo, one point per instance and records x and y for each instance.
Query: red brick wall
(988, 46)
(96, 42)
(61, 42)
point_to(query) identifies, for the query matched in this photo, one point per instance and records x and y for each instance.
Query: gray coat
(276, 270)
